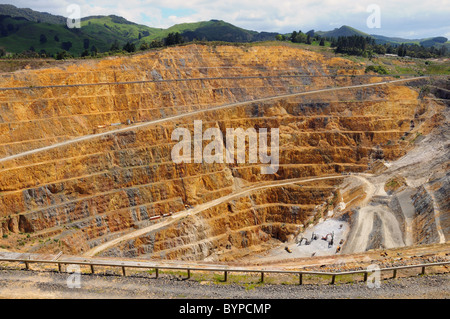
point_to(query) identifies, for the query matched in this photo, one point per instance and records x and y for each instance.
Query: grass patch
(377, 69)
(247, 280)
(394, 183)
(418, 134)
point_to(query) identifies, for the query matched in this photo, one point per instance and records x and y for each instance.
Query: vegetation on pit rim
(392, 65)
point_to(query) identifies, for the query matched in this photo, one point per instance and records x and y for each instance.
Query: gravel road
(50, 284)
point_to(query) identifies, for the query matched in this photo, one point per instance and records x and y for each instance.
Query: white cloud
(398, 18)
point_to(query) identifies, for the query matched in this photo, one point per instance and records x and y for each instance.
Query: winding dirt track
(361, 232)
(358, 238)
(201, 208)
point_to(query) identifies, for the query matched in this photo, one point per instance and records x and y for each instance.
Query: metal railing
(146, 265)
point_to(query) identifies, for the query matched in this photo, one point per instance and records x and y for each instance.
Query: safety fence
(124, 265)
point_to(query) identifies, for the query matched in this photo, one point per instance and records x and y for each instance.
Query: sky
(410, 19)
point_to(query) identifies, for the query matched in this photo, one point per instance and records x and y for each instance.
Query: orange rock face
(85, 193)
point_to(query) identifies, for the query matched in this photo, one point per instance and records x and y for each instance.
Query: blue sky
(408, 19)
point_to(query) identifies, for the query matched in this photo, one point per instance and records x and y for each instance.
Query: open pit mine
(86, 163)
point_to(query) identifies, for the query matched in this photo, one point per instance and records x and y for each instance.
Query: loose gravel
(52, 284)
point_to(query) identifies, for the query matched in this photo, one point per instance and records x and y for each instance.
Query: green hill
(18, 35)
(216, 30)
(344, 31)
(26, 29)
(31, 15)
(108, 29)
(433, 41)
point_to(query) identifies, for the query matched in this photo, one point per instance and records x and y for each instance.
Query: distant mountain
(111, 28)
(344, 31)
(31, 15)
(433, 41)
(218, 30)
(427, 42)
(26, 29)
(19, 34)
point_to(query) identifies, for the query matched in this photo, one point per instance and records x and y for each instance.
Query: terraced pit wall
(77, 196)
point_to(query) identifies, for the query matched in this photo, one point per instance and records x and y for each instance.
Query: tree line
(351, 45)
(299, 37)
(365, 46)
(173, 38)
